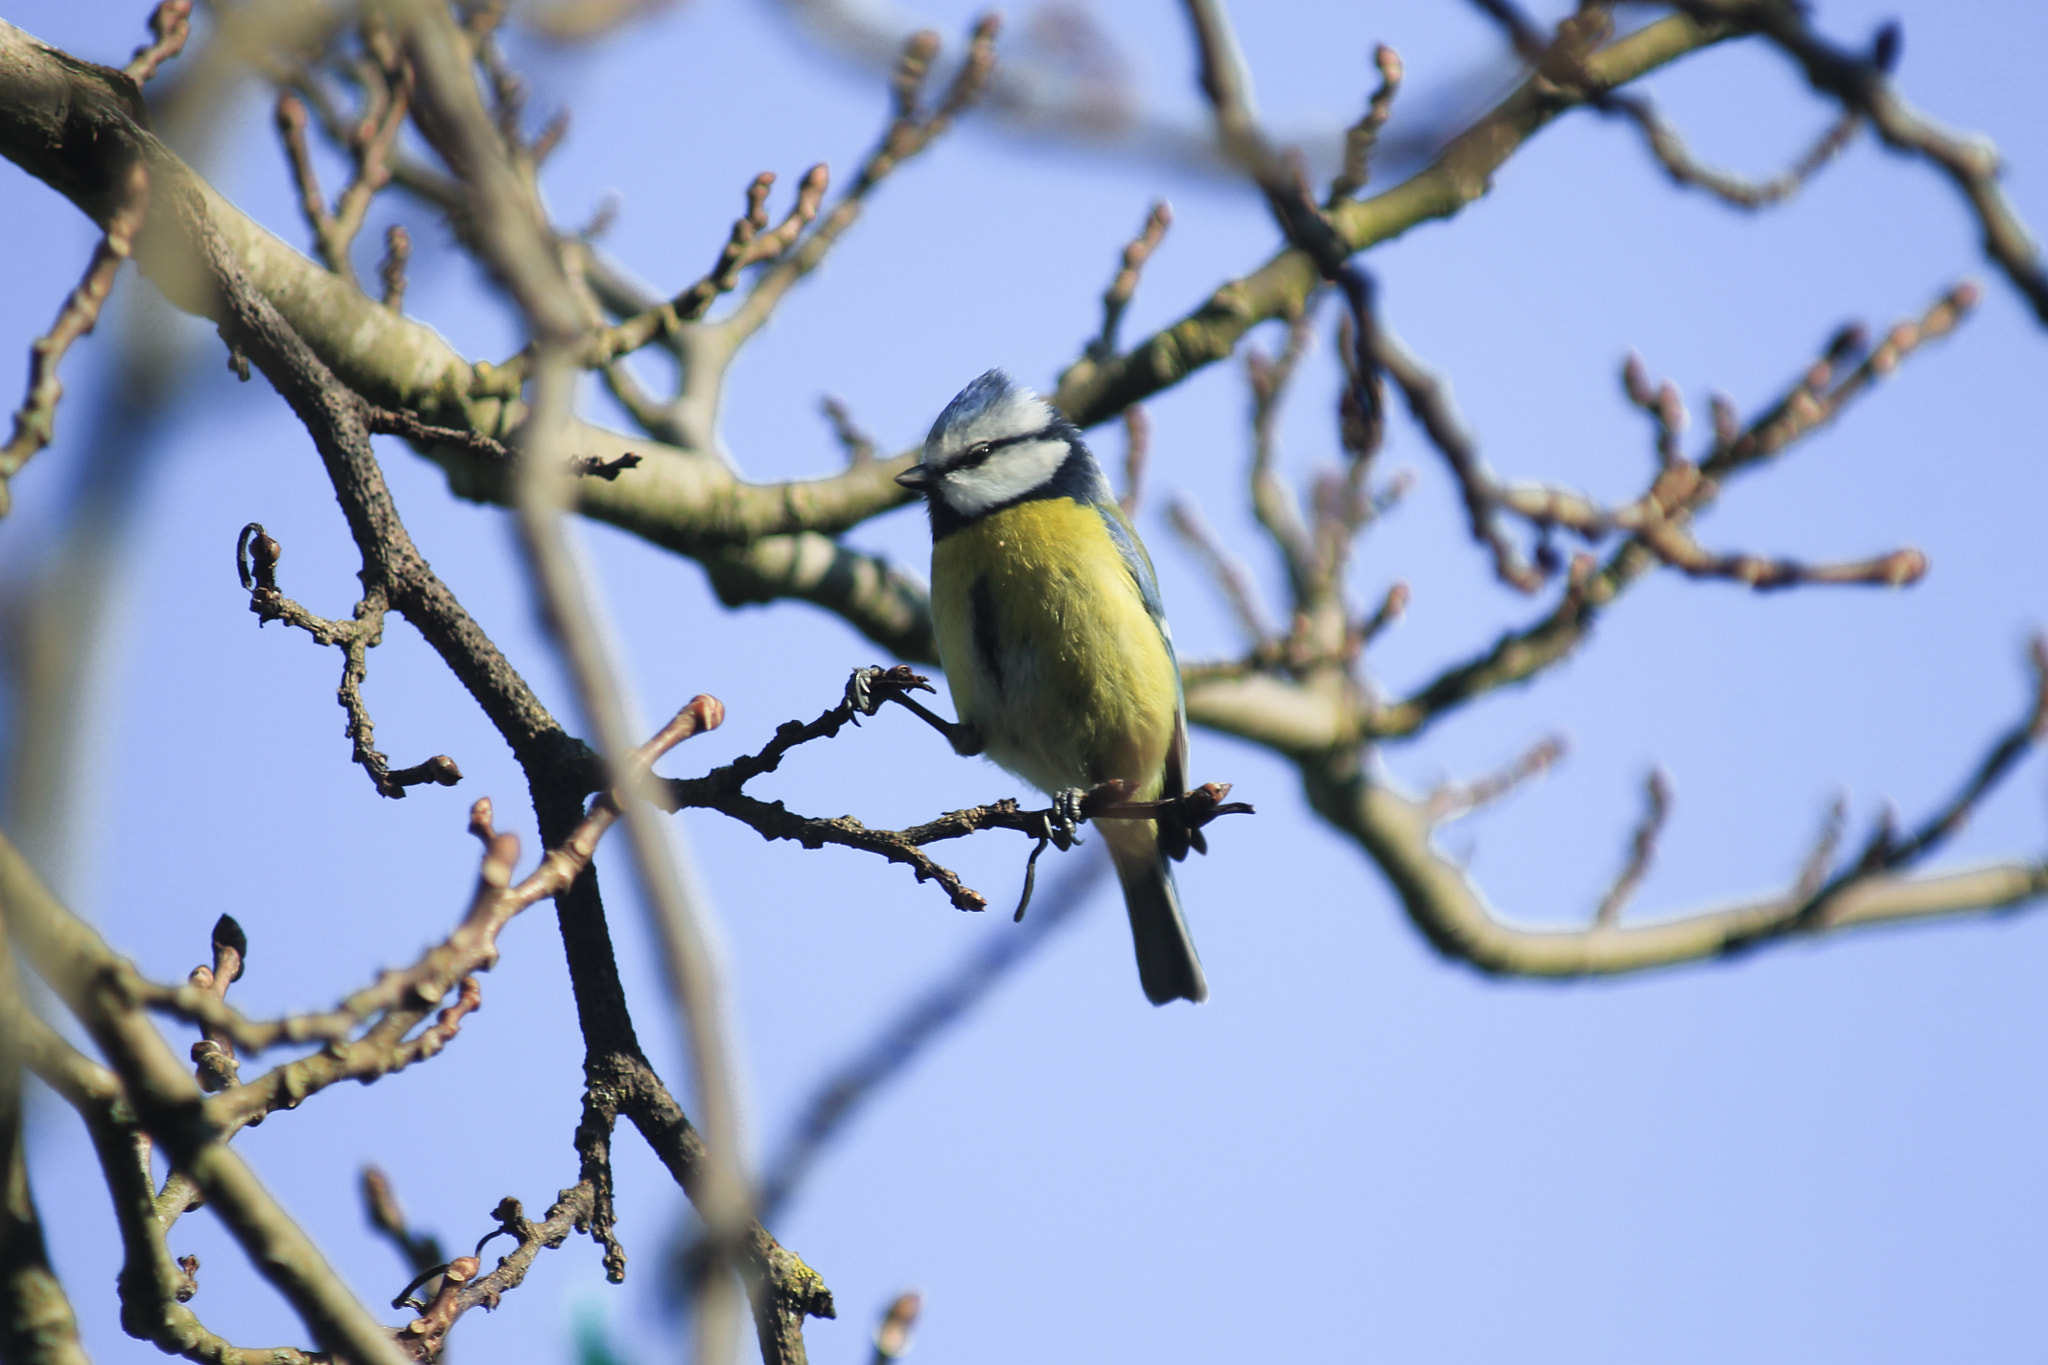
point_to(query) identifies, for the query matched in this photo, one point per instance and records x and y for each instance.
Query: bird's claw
(861, 694)
(869, 687)
(1063, 821)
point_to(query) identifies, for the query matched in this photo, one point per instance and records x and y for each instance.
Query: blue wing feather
(1136, 561)
(1175, 779)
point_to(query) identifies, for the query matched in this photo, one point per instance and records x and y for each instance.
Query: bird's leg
(869, 687)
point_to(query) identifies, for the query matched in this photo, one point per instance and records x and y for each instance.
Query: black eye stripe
(978, 454)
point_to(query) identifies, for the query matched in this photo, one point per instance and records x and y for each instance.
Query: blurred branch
(1091, 391)
(757, 542)
(1684, 169)
(170, 24)
(37, 1324)
(1450, 911)
(380, 1205)
(858, 445)
(1232, 578)
(1118, 296)
(1656, 528)
(1642, 850)
(1429, 401)
(154, 1287)
(843, 1092)
(1137, 451)
(1861, 83)
(1454, 800)
(892, 1338)
(397, 251)
(559, 769)
(35, 421)
(1560, 59)
(1364, 135)
(522, 250)
(168, 1103)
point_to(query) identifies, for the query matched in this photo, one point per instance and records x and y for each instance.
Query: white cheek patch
(1005, 476)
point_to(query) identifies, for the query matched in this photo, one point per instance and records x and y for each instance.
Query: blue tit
(1054, 642)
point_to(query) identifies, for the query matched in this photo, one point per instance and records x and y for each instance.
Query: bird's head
(996, 443)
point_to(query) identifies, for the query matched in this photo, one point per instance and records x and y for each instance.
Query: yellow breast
(1048, 648)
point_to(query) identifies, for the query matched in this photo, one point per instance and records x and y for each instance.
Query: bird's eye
(976, 454)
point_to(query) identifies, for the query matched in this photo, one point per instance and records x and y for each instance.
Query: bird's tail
(1167, 965)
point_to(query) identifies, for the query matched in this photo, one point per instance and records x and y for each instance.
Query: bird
(1055, 645)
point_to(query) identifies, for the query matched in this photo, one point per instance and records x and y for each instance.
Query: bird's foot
(869, 687)
(1063, 821)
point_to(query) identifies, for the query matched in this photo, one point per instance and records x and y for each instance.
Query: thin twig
(1118, 296)
(397, 251)
(1229, 571)
(35, 421)
(1137, 448)
(1642, 850)
(171, 24)
(1361, 137)
(1684, 169)
(1455, 800)
(256, 556)
(858, 445)
(722, 790)
(1861, 82)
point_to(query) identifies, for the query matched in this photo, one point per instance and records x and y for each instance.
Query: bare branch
(1655, 526)
(1429, 401)
(721, 790)
(290, 118)
(1118, 296)
(1232, 577)
(35, 421)
(397, 251)
(171, 24)
(257, 555)
(387, 1216)
(1455, 800)
(1364, 135)
(521, 250)
(1862, 84)
(858, 445)
(751, 242)
(1450, 911)
(1887, 853)
(1137, 446)
(168, 1101)
(1273, 501)
(1091, 391)
(1679, 163)
(913, 129)
(37, 1324)
(1642, 849)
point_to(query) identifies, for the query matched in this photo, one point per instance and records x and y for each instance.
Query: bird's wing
(1174, 781)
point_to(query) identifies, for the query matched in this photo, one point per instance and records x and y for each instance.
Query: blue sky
(1826, 1152)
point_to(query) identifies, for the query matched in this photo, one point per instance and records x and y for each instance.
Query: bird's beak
(917, 478)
